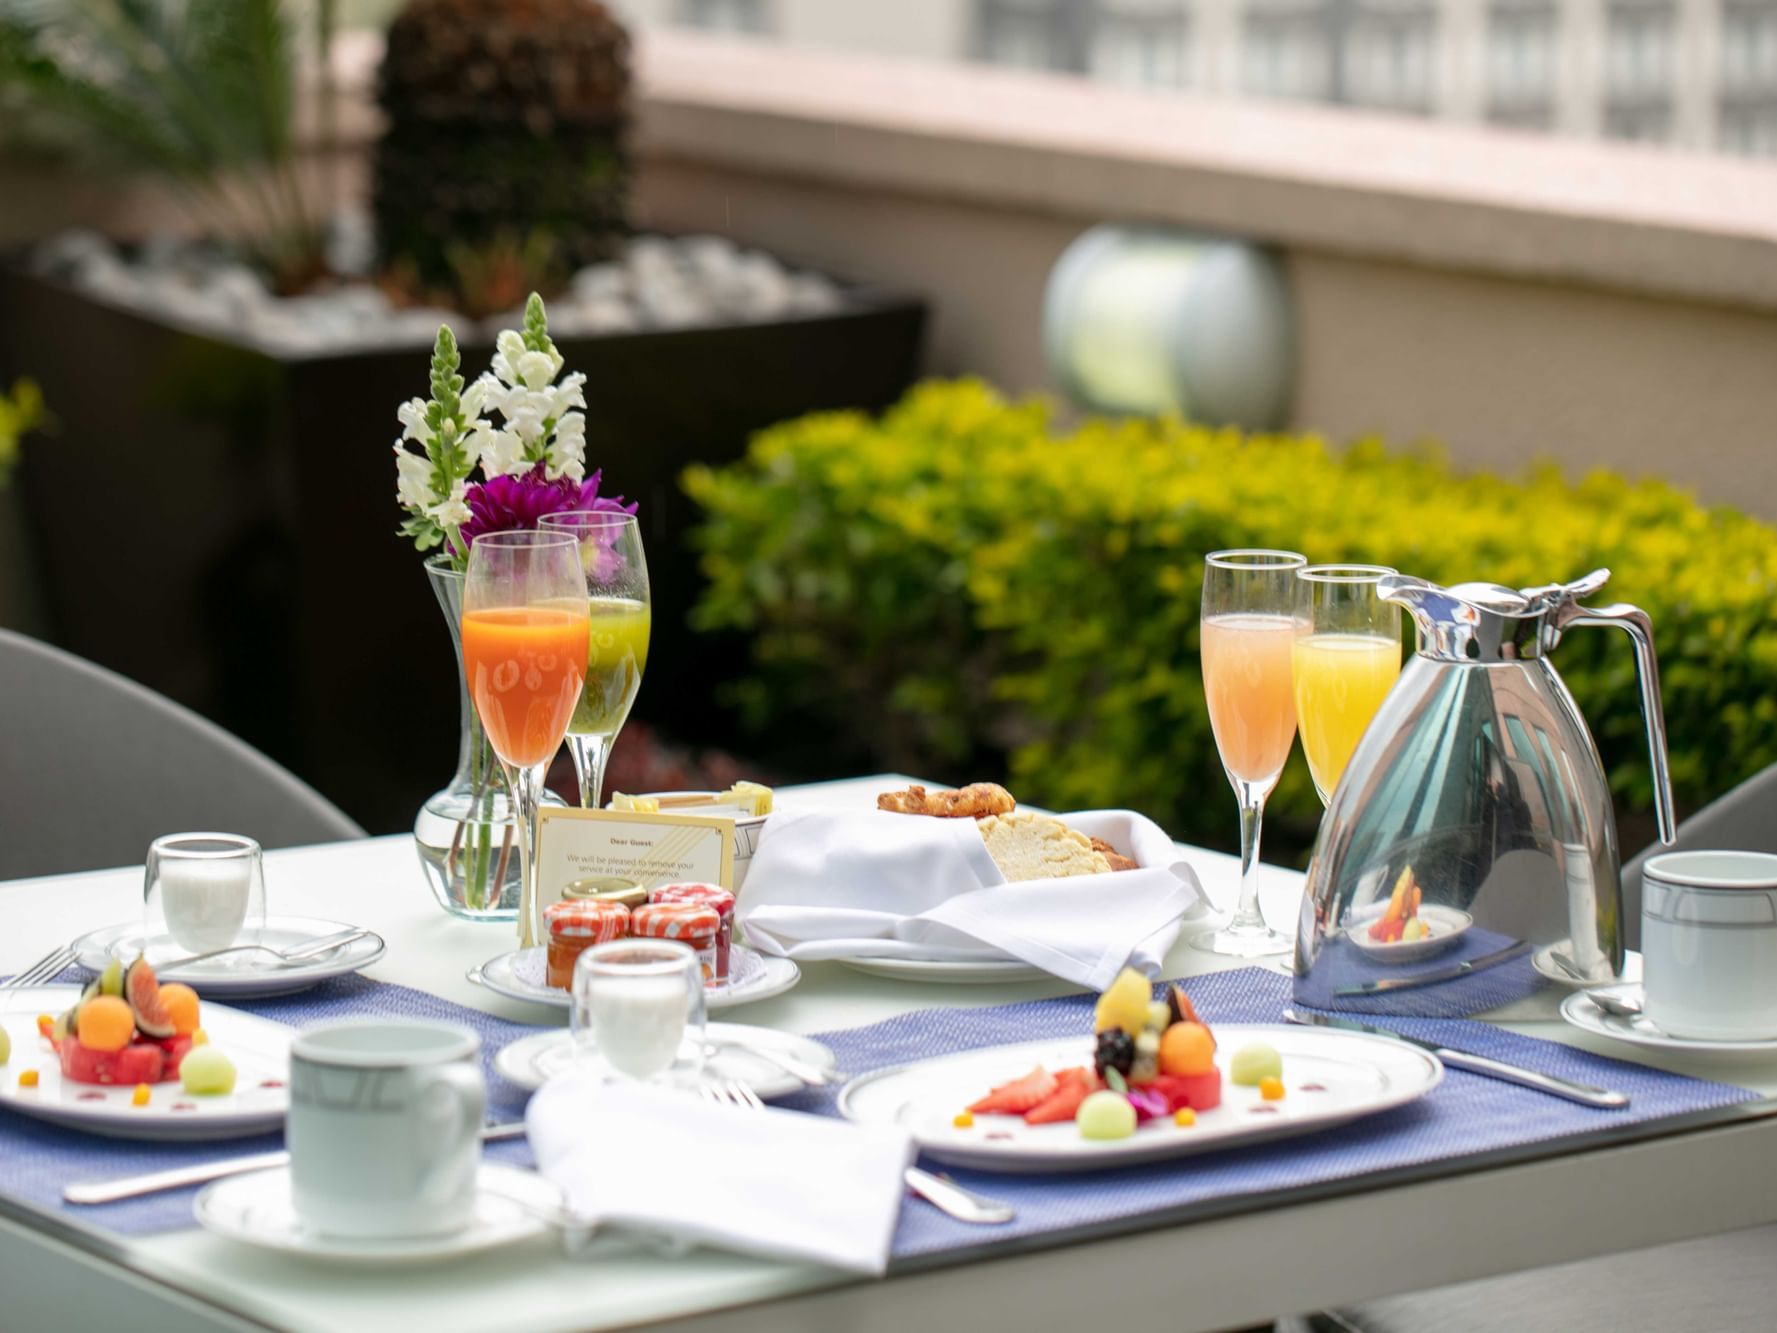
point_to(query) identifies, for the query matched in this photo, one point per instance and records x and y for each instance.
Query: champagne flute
(525, 633)
(1249, 627)
(1344, 666)
(617, 587)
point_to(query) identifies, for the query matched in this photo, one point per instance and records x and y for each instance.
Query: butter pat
(647, 805)
(751, 797)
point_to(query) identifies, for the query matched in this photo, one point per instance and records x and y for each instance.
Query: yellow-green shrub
(959, 581)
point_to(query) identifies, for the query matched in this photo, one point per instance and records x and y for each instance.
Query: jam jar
(691, 924)
(574, 925)
(707, 895)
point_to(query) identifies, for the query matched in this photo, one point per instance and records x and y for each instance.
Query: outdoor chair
(1717, 1282)
(94, 767)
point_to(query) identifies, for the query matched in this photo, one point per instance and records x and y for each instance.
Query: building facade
(1696, 74)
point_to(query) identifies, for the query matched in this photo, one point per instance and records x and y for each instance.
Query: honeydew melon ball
(1254, 1063)
(206, 1072)
(1105, 1115)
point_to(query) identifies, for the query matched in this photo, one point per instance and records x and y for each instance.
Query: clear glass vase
(465, 834)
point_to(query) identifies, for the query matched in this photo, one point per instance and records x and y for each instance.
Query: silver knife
(964, 1205)
(153, 1182)
(1583, 1093)
(1438, 974)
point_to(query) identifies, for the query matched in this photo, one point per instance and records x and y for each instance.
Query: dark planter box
(218, 521)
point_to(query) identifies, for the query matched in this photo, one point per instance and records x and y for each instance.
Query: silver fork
(42, 970)
(941, 1192)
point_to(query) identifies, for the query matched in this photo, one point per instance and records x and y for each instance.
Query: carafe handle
(1647, 674)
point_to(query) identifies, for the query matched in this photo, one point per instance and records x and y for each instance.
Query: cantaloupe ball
(180, 1004)
(1187, 1048)
(106, 1023)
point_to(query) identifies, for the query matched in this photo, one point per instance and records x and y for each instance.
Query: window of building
(752, 16)
(1749, 47)
(1388, 56)
(1285, 51)
(1521, 46)
(1639, 42)
(1139, 46)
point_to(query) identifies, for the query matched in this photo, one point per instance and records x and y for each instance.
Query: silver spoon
(1619, 1001)
(296, 953)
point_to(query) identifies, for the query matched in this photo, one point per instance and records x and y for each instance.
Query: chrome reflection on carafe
(1478, 783)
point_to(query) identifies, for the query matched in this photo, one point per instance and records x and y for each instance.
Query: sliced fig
(142, 989)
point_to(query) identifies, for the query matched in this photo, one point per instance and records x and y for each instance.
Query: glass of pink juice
(1249, 631)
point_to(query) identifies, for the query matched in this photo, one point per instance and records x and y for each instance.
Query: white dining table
(1243, 1263)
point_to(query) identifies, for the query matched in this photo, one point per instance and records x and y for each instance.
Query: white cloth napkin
(843, 884)
(775, 1183)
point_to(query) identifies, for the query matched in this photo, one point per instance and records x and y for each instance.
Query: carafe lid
(1486, 622)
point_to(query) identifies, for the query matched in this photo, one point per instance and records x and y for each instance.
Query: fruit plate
(259, 1047)
(250, 973)
(519, 975)
(1447, 924)
(951, 971)
(531, 1061)
(1330, 1078)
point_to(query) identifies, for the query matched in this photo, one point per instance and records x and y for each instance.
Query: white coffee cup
(1709, 944)
(385, 1127)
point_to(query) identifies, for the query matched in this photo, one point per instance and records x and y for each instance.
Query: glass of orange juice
(1249, 630)
(1344, 666)
(525, 637)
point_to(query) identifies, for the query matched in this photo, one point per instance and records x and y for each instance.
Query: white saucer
(963, 972)
(519, 975)
(1543, 960)
(1448, 925)
(256, 1210)
(530, 1061)
(248, 974)
(1579, 1010)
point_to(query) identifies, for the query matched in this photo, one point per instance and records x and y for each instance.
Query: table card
(650, 848)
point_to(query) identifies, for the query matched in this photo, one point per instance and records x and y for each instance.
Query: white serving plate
(1358, 1075)
(510, 1205)
(249, 973)
(1543, 960)
(259, 1047)
(967, 972)
(1579, 1010)
(531, 1061)
(1447, 923)
(519, 975)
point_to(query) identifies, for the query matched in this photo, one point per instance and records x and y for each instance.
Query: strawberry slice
(1018, 1096)
(1072, 1086)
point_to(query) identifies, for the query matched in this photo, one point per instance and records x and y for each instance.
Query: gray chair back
(1744, 820)
(94, 767)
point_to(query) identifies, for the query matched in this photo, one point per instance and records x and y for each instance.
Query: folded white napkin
(775, 1183)
(841, 884)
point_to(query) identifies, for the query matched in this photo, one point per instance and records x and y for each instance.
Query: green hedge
(961, 584)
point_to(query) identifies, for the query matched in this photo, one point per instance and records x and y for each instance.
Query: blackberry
(1115, 1050)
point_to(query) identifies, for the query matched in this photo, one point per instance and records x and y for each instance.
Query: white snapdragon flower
(566, 453)
(509, 348)
(413, 478)
(571, 392)
(479, 397)
(501, 452)
(536, 369)
(412, 415)
(452, 511)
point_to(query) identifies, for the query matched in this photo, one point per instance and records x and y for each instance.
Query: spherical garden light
(1146, 320)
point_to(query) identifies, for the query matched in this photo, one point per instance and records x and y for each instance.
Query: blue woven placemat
(1466, 1116)
(37, 1159)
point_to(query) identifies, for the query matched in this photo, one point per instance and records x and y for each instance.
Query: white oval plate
(1579, 1010)
(255, 1209)
(1447, 923)
(531, 1061)
(755, 976)
(246, 974)
(965, 972)
(1330, 1077)
(259, 1047)
(1543, 960)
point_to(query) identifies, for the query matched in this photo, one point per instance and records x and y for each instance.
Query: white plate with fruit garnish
(158, 1066)
(1173, 1088)
(1406, 928)
(522, 974)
